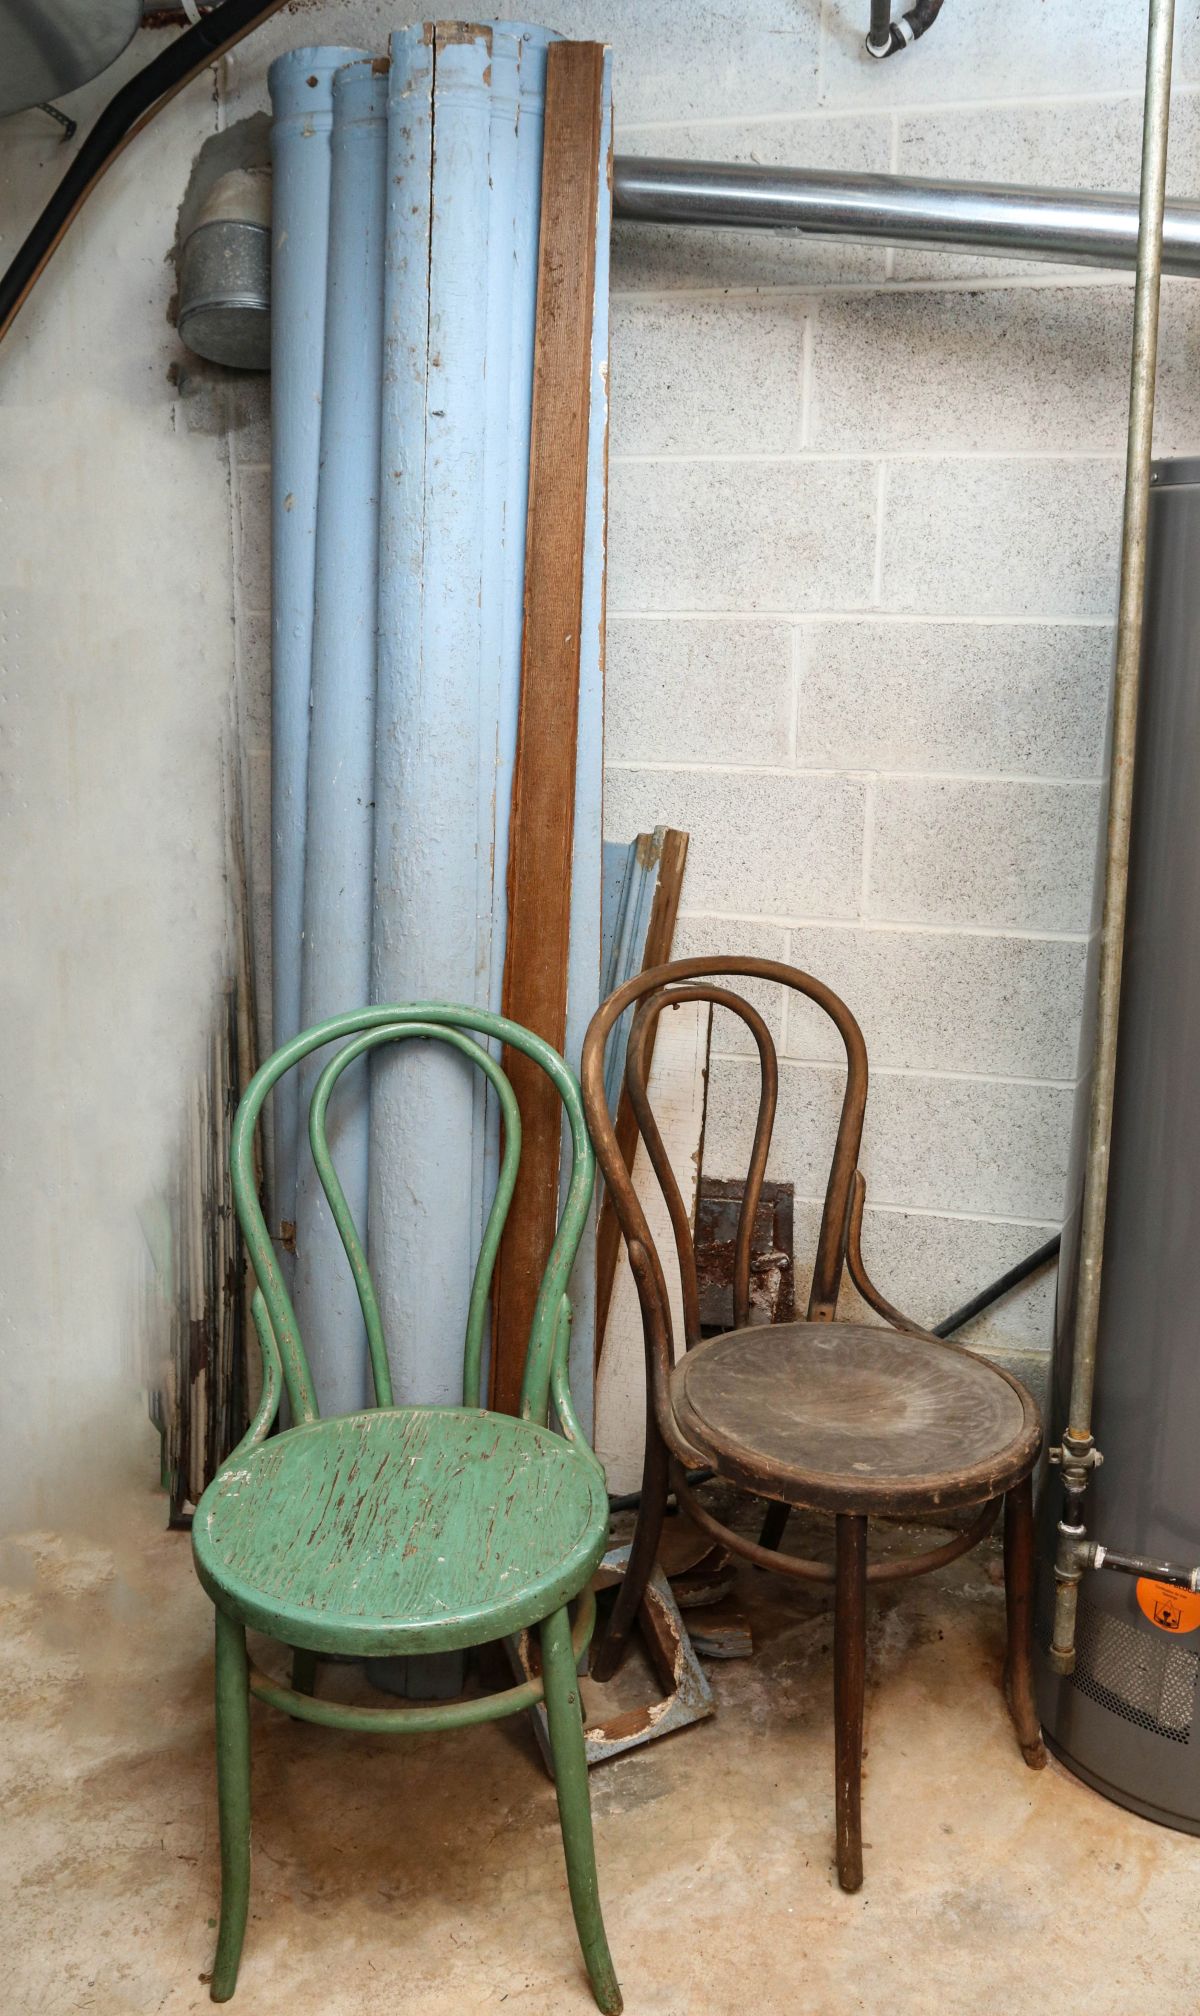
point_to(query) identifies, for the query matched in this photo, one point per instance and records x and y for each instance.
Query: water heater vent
(1149, 1681)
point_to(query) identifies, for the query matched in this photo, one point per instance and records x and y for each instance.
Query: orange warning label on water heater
(1171, 1609)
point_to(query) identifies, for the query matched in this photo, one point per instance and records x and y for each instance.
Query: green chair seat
(401, 1530)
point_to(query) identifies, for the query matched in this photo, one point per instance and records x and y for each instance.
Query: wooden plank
(660, 934)
(541, 829)
(677, 1087)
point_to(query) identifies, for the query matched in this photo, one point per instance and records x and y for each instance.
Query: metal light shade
(50, 47)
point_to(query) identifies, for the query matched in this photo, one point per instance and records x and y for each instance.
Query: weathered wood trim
(543, 801)
(660, 934)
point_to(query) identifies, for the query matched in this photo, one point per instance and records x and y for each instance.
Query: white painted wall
(864, 519)
(115, 579)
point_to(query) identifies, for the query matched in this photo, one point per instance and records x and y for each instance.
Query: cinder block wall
(865, 519)
(865, 514)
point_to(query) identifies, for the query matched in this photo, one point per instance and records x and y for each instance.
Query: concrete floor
(426, 1876)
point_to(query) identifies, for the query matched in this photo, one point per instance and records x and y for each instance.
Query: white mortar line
(906, 1071)
(808, 344)
(918, 108)
(797, 663)
(838, 457)
(909, 925)
(884, 924)
(1029, 280)
(864, 615)
(857, 772)
(955, 1217)
(868, 848)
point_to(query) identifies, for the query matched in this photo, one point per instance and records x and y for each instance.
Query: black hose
(628, 1501)
(888, 37)
(134, 105)
(1013, 1278)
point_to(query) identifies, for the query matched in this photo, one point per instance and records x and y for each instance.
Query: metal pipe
(887, 37)
(879, 36)
(338, 864)
(1092, 1554)
(1079, 1456)
(993, 1292)
(301, 87)
(1074, 227)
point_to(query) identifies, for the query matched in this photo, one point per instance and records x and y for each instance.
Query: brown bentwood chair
(853, 1419)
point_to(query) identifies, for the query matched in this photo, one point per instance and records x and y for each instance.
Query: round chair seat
(401, 1529)
(849, 1417)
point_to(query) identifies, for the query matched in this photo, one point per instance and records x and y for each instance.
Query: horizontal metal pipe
(1093, 1555)
(1069, 226)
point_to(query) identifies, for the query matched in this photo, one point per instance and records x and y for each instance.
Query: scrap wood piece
(722, 1638)
(677, 1090)
(657, 862)
(688, 1697)
(543, 798)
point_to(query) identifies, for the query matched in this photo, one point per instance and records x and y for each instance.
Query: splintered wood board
(663, 856)
(542, 821)
(678, 1086)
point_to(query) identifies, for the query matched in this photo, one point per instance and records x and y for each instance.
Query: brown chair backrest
(661, 987)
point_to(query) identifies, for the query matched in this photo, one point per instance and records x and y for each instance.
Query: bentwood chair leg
(1019, 1571)
(233, 1800)
(849, 1688)
(773, 1525)
(563, 1710)
(608, 1654)
(304, 1670)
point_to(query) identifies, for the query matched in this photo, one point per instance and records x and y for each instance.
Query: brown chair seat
(849, 1417)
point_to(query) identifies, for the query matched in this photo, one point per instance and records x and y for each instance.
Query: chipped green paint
(401, 1530)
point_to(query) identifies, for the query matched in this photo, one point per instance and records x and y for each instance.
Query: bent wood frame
(669, 1454)
(285, 1364)
(545, 1381)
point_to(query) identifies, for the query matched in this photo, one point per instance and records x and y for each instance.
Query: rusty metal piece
(718, 1217)
(687, 1696)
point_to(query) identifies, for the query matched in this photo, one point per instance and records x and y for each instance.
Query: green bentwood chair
(406, 1529)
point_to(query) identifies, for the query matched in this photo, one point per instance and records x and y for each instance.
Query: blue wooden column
(404, 316)
(436, 719)
(301, 87)
(339, 832)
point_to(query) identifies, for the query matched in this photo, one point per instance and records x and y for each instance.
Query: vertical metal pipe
(880, 33)
(1079, 1454)
(338, 852)
(301, 87)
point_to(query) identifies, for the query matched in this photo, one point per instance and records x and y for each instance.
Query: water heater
(1127, 1720)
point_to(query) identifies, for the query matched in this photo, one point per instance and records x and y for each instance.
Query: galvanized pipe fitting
(225, 273)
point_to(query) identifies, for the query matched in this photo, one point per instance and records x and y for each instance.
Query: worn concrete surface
(426, 1876)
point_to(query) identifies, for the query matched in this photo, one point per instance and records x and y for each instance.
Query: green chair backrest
(275, 1318)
